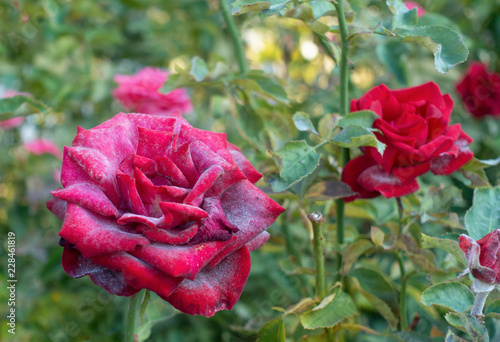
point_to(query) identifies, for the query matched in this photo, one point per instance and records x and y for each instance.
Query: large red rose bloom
(151, 202)
(414, 123)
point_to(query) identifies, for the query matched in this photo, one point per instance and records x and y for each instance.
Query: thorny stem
(235, 36)
(319, 258)
(131, 317)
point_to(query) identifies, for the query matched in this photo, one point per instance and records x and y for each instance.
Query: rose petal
(250, 210)
(376, 179)
(209, 292)
(93, 234)
(180, 260)
(88, 196)
(350, 175)
(138, 274)
(258, 241)
(177, 235)
(472, 251)
(243, 164)
(76, 266)
(57, 207)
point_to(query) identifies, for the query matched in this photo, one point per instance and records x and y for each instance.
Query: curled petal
(138, 274)
(209, 291)
(76, 266)
(472, 251)
(350, 175)
(94, 234)
(250, 210)
(376, 179)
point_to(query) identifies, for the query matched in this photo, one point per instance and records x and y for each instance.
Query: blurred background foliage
(66, 52)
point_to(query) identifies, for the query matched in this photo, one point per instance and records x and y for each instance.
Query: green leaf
(447, 46)
(377, 236)
(451, 337)
(263, 84)
(484, 215)
(372, 281)
(453, 295)
(403, 17)
(198, 69)
(451, 246)
(353, 253)
(454, 320)
(478, 164)
(11, 106)
(475, 328)
(330, 312)
(321, 8)
(391, 52)
(303, 123)
(355, 136)
(382, 307)
(295, 161)
(363, 118)
(267, 7)
(302, 12)
(273, 331)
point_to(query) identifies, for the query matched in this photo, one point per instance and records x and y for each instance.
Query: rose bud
(414, 124)
(151, 202)
(480, 91)
(140, 93)
(483, 256)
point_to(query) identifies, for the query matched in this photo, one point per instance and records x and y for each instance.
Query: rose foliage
(151, 202)
(414, 123)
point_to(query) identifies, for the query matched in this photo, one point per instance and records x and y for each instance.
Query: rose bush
(414, 125)
(140, 93)
(483, 256)
(480, 91)
(151, 202)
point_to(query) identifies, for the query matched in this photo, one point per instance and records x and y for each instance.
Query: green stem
(235, 36)
(344, 75)
(344, 109)
(319, 258)
(131, 317)
(402, 294)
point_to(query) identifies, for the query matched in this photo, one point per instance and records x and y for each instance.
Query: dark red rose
(414, 123)
(480, 91)
(151, 202)
(483, 256)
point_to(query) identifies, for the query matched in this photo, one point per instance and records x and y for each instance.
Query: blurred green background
(66, 53)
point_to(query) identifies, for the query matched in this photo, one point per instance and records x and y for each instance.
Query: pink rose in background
(151, 202)
(43, 146)
(13, 122)
(483, 256)
(420, 10)
(480, 91)
(140, 93)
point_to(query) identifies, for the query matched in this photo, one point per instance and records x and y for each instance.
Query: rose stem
(402, 294)
(131, 317)
(477, 308)
(344, 109)
(235, 36)
(317, 220)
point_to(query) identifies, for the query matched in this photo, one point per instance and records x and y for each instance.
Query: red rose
(414, 125)
(483, 256)
(480, 91)
(151, 202)
(140, 93)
